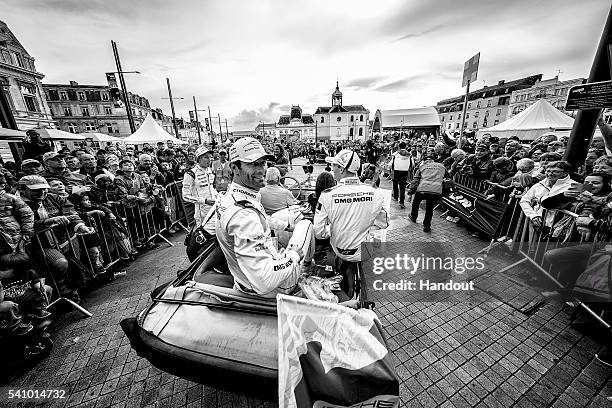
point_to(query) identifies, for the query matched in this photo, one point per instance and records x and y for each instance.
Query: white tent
(151, 132)
(397, 119)
(537, 119)
(56, 134)
(101, 137)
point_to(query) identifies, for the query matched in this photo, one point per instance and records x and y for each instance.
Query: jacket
(222, 174)
(16, 219)
(197, 188)
(531, 202)
(69, 179)
(244, 235)
(402, 161)
(345, 213)
(428, 178)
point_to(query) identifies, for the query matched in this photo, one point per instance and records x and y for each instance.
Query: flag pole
(465, 102)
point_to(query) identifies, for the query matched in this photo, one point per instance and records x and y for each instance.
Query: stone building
(487, 106)
(552, 90)
(93, 108)
(21, 83)
(296, 126)
(341, 122)
(267, 130)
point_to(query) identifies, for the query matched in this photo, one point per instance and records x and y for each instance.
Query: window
(322, 119)
(351, 132)
(476, 114)
(484, 123)
(108, 110)
(90, 127)
(458, 116)
(19, 60)
(451, 117)
(63, 96)
(467, 115)
(352, 118)
(469, 105)
(448, 126)
(81, 95)
(104, 96)
(29, 96)
(360, 131)
(67, 111)
(475, 125)
(85, 110)
(442, 118)
(498, 112)
(109, 127)
(457, 125)
(5, 56)
(488, 103)
(478, 104)
(496, 122)
(72, 127)
(486, 114)
(361, 118)
(338, 118)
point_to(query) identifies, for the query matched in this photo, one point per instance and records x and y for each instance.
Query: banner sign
(332, 356)
(595, 95)
(470, 70)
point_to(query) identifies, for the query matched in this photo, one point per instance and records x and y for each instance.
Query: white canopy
(406, 118)
(56, 134)
(6, 133)
(101, 137)
(151, 132)
(537, 119)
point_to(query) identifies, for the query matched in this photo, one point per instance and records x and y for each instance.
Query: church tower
(337, 96)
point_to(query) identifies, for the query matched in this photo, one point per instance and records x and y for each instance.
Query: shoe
(394, 198)
(412, 219)
(21, 329)
(39, 314)
(152, 245)
(426, 229)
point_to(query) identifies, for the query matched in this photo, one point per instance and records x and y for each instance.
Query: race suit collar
(240, 192)
(204, 169)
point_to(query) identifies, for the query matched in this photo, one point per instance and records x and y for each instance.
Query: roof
(101, 137)
(495, 90)
(149, 132)
(408, 118)
(340, 109)
(57, 134)
(286, 119)
(6, 134)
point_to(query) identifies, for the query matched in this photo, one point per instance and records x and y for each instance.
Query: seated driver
(244, 231)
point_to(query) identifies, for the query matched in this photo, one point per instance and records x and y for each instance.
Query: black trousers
(399, 185)
(431, 199)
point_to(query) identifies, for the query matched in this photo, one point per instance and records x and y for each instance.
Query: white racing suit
(345, 213)
(244, 235)
(199, 188)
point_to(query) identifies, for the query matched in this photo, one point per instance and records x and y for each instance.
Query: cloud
(249, 118)
(364, 82)
(421, 33)
(402, 83)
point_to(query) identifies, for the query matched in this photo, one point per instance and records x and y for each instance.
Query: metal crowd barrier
(467, 181)
(63, 247)
(532, 244)
(176, 205)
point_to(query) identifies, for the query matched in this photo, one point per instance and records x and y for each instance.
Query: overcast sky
(251, 60)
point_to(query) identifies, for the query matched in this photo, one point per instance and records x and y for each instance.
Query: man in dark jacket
(34, 147)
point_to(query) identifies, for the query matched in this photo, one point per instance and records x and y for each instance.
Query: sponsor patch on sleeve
(319, 205)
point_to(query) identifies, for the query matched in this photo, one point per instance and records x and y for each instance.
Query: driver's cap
(248, 150)
(33, 182)
(347, 159)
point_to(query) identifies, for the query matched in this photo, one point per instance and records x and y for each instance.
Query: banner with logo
(332, 356)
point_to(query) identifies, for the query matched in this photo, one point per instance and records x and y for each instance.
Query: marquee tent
(397, 119)
(56, 134)
(6, 133)
(537, 119)
(102, 137)
(151, 132)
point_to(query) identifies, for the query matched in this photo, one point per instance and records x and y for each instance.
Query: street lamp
(172, 107)
(120, 71)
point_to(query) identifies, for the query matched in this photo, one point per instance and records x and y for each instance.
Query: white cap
(248, 150)
(202, 150)
(347, 159)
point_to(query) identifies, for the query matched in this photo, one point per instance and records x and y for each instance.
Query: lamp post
(172, 107)
(195, 109)
(120, 71)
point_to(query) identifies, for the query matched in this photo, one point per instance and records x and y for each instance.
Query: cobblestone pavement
(489, 351)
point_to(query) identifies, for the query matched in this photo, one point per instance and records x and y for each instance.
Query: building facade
(552, 90)
(341, 122)
(267, 130)
(296, 126)
(93, 108)
(21, 83)
(486, 107)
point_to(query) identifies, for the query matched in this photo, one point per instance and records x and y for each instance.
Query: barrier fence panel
(52, 242)
(537, 246)
(176, 206)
